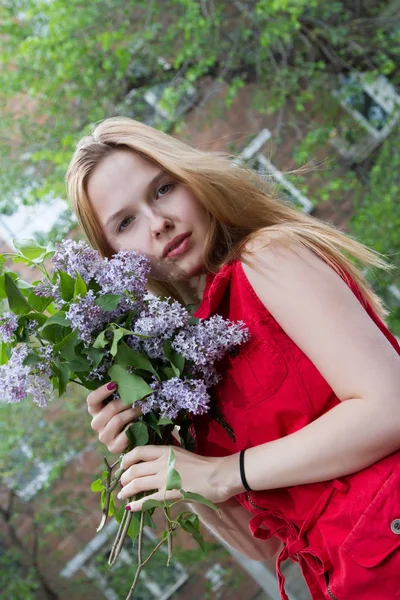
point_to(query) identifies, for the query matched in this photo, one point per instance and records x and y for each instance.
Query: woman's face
(141, 208)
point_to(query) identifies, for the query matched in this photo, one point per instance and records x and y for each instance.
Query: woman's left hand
(215, 478)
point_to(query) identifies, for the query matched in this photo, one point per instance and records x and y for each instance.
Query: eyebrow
(150, 185)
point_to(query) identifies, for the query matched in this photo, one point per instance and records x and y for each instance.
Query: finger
(116, 424)
(142, 469)
(96, 398)
(142, 484)
(119, 444)
(140, 453)
(170, 496)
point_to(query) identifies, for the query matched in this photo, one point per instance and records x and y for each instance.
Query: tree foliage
(67, 65)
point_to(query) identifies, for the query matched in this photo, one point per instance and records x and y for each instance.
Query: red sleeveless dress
(344, 533)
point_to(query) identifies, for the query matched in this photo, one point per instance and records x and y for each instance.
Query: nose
(160, 224)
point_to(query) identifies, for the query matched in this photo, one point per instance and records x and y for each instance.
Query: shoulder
(320, 313)
(275, 254)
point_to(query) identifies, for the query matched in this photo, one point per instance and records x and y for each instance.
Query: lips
(175, 242)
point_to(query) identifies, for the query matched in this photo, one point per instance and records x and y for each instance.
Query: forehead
(117, 176)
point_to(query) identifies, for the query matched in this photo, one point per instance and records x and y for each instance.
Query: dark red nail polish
(127, 508)
(111, 386)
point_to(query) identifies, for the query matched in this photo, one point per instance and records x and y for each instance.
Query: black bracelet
(242, 475)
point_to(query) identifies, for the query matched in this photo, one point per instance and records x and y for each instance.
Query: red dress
(345, 533)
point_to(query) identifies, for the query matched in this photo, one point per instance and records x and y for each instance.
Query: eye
(163, 187)
(124, 223)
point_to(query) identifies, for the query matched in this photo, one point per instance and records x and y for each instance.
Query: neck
(192, 290)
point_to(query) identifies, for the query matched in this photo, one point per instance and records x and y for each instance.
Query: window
(33, 473)
(255, 159)
(371, 109)
(156, 582)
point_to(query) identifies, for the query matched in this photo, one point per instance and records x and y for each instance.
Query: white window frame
(252, 152)
(382, 93)
(26, 491)
(82, 561)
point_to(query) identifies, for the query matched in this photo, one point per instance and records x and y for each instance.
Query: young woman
(314, 396)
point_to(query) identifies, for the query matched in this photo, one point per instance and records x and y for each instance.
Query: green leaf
(137, 434)
(127, 357)
(37, 302)
(29, 248)
(173, 478)
(16, 300)
(109, 302)
(32, 359)
(165, 421)
(198, 498)
(148, 504)
(66, 347)
(3, 293)
(58, 318)
(96, 356)
(97, 486)
(111, 506)
(131, 387)
(53, 333)
(177, 360)
(62, 371)
(79, 364)
(67, 284)
(118, 334)
(80, 287)
(151, 421)
(4, 353)
(134, 526)
(192, 526)
(100, 341)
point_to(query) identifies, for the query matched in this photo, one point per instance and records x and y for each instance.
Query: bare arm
(233, 528)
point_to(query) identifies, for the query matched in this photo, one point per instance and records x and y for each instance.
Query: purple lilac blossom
(8, 325)
(18, 381)
(159, 321)
(126, 272)
(100, 371)
(174, 395)
(208, 340)
(45, 289)
(161, 318)
(77, 257)
(134, 343)
(86, 317)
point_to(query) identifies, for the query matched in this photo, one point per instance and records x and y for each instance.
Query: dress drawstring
(312, 559)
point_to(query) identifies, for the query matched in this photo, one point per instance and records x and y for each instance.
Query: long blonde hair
(239, 201)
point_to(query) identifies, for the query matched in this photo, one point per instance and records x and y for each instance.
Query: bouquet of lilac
(90, 321)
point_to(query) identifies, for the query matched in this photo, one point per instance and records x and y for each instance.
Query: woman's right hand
(112, 419)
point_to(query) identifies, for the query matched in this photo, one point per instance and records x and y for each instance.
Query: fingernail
(111, 385)
(127, 507)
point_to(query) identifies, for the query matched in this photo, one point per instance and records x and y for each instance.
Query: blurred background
(280, 84)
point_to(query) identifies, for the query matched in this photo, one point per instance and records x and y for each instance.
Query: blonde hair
(240, 203)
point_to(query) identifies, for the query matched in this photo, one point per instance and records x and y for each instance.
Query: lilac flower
(45, 289)
(161, 318)
(100, 371)
(77, 257)
(207, 341)
(86, 317)
(125, 272)
(134, 343)
(18, 381)
(14, 376)
(8, 325)
(174, 395)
